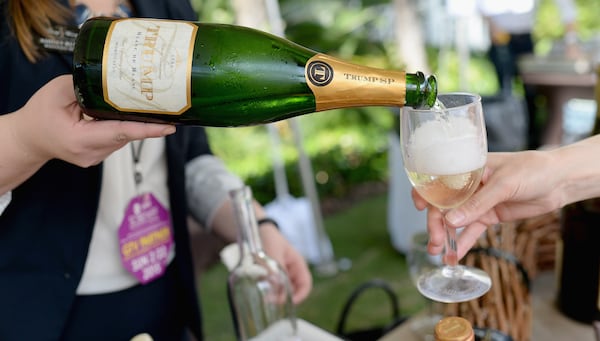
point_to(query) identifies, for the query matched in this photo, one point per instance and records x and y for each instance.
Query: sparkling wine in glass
(444, 149)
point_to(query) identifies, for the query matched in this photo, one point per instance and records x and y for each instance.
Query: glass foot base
(454, 284)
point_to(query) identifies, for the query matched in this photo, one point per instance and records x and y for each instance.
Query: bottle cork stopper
(454, 328)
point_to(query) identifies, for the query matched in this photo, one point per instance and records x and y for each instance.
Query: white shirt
(103, 270)
(5, 200)
(208, 183)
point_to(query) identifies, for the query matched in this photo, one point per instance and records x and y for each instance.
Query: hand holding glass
(444, 149)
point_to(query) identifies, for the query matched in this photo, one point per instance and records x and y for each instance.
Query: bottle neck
(248, 236)
(421, 90)
(337, 84)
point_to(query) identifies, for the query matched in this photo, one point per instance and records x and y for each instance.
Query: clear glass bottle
(260, 292)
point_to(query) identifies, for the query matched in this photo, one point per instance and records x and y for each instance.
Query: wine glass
(444, 149)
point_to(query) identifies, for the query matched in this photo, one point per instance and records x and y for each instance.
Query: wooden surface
(585, 80)
(549, 324)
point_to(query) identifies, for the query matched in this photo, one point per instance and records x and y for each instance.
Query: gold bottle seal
(454, 328)
(339, 84)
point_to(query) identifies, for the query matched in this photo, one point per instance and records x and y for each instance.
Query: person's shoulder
(167, 9)
(182, 9)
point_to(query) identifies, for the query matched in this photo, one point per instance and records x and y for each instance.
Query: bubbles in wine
(438, 105)
(457, 182)
(448, 145)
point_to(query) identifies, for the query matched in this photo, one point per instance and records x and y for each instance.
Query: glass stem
(451, 257)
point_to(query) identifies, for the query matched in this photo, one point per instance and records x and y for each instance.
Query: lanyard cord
(135, 155)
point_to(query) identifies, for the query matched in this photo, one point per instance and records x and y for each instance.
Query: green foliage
(215, 11)
(481, 77)
(549, 26)
(346, 147)
(588, 24)
(342, 29)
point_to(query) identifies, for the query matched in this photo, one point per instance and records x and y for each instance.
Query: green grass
(359, 234)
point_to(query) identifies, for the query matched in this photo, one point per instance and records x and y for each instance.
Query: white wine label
(147, 64)
(338, 84)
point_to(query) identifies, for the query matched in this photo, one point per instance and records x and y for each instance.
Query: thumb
(472, 210)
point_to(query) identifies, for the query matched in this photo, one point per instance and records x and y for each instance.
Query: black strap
(509, 257)
(374, 283)
(267, 220)
(135, 155)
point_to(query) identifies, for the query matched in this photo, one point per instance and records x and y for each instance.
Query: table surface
(558, 80)
(587, 80)
(557, 71)
(548, 322)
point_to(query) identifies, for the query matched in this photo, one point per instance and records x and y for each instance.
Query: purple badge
(145, 238)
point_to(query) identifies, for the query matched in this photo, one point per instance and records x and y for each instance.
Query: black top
(46, 230)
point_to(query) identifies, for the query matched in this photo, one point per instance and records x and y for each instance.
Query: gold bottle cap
(454, 328)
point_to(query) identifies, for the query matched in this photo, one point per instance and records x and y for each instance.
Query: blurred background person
(511, 24)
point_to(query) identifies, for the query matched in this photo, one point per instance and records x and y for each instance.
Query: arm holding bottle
(50, 125)
(208, 182)
(519, 185)
(275, 245)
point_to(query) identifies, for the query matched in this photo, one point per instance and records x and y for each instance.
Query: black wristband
(267, 220)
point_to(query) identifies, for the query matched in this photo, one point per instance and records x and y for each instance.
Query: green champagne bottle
(220, 75)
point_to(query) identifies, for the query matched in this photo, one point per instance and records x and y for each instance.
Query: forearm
(580, 169)
(208, 182)
(17, 164)
(224, 223)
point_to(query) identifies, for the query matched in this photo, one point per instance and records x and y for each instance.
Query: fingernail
(434, 249)
(168, 130)
(455, 217)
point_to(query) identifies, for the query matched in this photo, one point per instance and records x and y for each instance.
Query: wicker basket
(512, 254)
(535, 242)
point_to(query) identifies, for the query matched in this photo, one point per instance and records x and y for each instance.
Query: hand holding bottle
(51, 125)
(280, 249)
(275, 245)
(54, 116)
(519, 185)
(260, 293)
